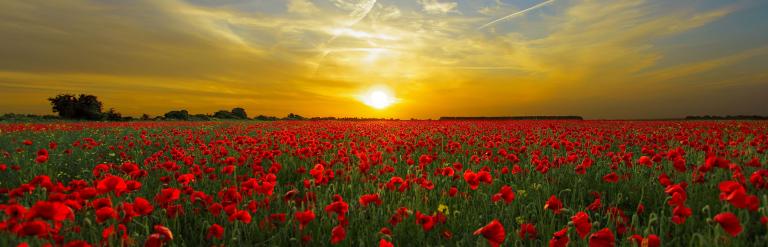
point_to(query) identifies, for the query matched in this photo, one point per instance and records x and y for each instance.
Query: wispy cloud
(437, 7)
(301, 7)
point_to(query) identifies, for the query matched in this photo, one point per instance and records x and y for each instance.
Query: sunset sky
(597, 59)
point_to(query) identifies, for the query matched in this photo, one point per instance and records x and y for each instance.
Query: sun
(378, 98)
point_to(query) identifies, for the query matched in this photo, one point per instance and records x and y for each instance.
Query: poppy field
(384, 183)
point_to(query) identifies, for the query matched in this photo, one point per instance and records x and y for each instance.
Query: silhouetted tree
(112, 115)
(265, 118)
(222, 114)
(88, 107)
(65, 105)
(200, 117)
(292, 116)
(145, 117)
(239, 113)
(81, 107)
(180, 115)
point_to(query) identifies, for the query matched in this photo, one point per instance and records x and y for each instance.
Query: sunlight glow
(378, 98)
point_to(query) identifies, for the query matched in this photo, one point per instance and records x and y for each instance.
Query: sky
(600, 59)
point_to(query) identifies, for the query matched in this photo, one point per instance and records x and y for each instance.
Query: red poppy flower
(340, 208)
(595, 205)
(142, 206)
(304, 217)
(394, 182)
(185, 179)
(242, 216)
(216, 231)
(680, 213)
(32, 228)
(583, 226)
(229, 169)
(452, 191)
(732, 192)
(154, 240)
(105, 213)
(645, 160)
(602, 238)
(164, 231)
(385, 243)
(485, 176)
(54, 211)
(168, 195)
(560, 238)
(759, 178)
(554, 204)
(729, 222)
(472, 179)
(527, 231)
(215, 209)
(41, 159)
(650, 241)
(369, 198)
(338, 234)
(77, 243)
(505, 193)
(111, 184)
(493, 232)
(160, 236)
(427, 222)
(101, 202)
(679, 164)
(677, 191)
(14, 211)
(640, 208)
(611, 178)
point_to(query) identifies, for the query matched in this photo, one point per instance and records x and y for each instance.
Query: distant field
(404, 183)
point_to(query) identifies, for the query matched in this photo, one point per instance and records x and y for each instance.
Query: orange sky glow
(390, 58)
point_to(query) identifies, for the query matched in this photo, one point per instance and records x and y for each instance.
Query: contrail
(357, 15)
(361, 13)
(542, 4)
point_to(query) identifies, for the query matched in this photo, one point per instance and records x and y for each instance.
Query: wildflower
(493, 232)
(729, 222)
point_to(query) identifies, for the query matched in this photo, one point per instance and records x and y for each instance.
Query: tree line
(516, 118)
(729, 117)
(89, 107)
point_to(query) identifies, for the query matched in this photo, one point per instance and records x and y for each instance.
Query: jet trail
(542, 4)
(357, 15)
